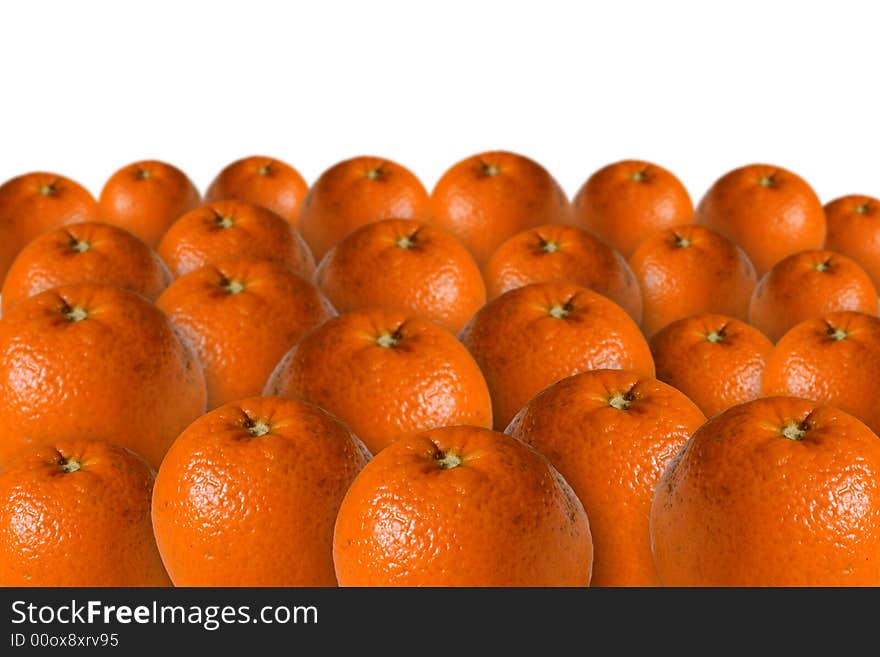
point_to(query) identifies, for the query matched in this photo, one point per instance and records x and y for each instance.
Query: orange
(405, 265)
(77, 513)
(716, 360)
(768, 211)
(248, 495)
(555, 253)
(85, 253)
(626, 202)
(689, 270)
(773, 492)
(489, 197)
(854, 231)
(610, 433)
(242, 316)
(34, 203)
(95, 361)
(806, 285)
(147, 197)
(388, 374)
(832, 359)
(233, 229)
(355, 192)
(461, 506)
(535, 335)
(264, 181)
(9, 248)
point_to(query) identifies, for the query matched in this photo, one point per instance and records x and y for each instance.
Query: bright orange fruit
(461, 506)
(355, 192)
(242, 316)
(626, 202)
(809, 284)
(535, 335)
(248, 495)
(77, 513)
(388, 374)
(766, 210)
(488, 197)
(263, 181)
(716, 360)
(774, 492)
(404, 265)
(832, 359)
(690, 270)
(610, 433)
(94, 361)
(854, 231)
(147, 197)
(89, 252)
(233, 229)
(563, 254)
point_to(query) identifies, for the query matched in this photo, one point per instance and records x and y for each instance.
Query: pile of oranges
(360, 382)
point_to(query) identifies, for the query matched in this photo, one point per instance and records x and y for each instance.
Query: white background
(86, 87)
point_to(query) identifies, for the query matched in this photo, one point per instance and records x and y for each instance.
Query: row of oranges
(484, 202)
(553, 305)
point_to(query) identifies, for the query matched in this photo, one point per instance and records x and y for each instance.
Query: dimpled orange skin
(34, 203)
(242, 316)
(95, 361)
(406, 265)
(689, 270)
(248, 495)
(147, 197)
(766, 210)
(233, 229)
(806, 285)
(555, 253)
(356, 192)
(85, 253)
(626, 202)
(854, 231)
(716, 360)
(389, 375)
(461, 506)
(536, 335)
(263, 181)
(9, 248)
(742, 504)
(610, 433)
(489, 197)
(77, 513)
(833, 359)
